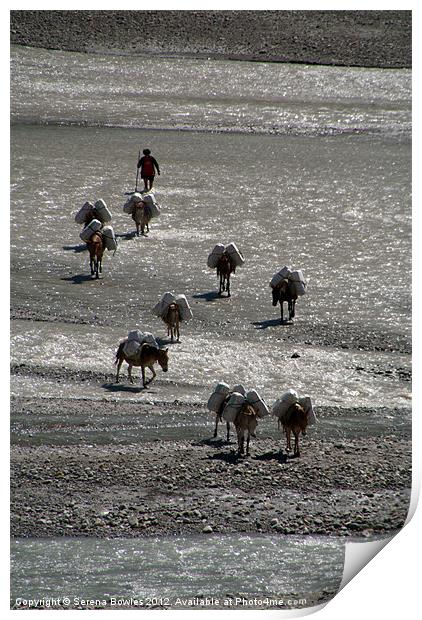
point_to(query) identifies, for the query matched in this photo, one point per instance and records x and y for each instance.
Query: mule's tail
(119, 351)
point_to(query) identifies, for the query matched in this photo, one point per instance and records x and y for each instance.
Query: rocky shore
(346, 38)
(341, 487)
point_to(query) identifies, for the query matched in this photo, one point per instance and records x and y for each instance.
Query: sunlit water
(305, 166)
(247, 572)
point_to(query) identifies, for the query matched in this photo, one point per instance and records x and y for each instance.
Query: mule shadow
(120, 387)
(79, 278)
(210, 296)
(126, 236)
(214, 442)
(279, 456)
(76, 248)
(270, 323)
(232, 458)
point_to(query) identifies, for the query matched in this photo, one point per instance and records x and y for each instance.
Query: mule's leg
(154, 374)
(247, 443)
(228, 285)
(177, 332)
(144, 383)
(221, 284)
(288, 446)
(137, 229)
(129, 373)
(240, 441)
(228, 431)
(217, 419)
(97, 275)
(281, 313)
(91, 265)
(296, 450)
(293, 306)
(118, 368)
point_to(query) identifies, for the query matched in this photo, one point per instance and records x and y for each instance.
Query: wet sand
(346, 38)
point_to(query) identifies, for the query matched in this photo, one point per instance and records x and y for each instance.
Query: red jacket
(148, 164)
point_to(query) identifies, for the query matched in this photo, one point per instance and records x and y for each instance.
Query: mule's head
(163, 359)
(276, 296)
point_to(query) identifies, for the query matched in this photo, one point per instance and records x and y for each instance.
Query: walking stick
(137, 171)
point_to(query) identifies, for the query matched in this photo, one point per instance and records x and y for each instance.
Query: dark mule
(145, 357)
(295, 421)
(225, 268)
(285, 292)
(96, 250)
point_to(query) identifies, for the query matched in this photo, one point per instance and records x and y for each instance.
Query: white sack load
(299, 281)
(129, 206)
(259, 405)
(88, 231)
(149, 200)
(221, 391)
(136, 335)
(161, 307)
(83, 213)
(306, 403)
(239, 388)
(153, 208)
(215, 255)
(141, 337)
(279, 276)
(184, 309)
(103, 213)
(109, 238)
(234, 405)
(130, 203)
(130, 348)
(235, 254)
(150, 339)
(282, 404)
(149, 197)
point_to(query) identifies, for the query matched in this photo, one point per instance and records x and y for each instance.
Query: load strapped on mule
(287, 286)
(143, 207)
(173, 309)
(225, 259)
(295, 414)
(93, 217)
(135, 339)
(240, 407)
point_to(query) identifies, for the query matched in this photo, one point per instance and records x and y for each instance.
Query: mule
(172, 319)
(141, 216)
(95, 247)
(245, 423)
(295, 421)
(285, 292)
(225, 268)
(145, 357)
